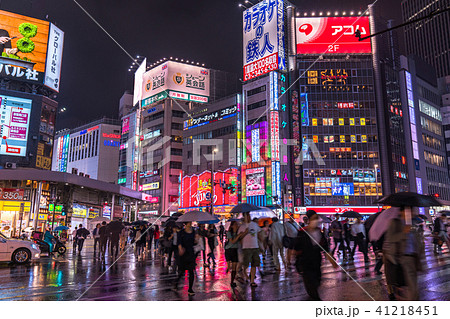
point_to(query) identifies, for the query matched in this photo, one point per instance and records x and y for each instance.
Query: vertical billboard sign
(275, 135)
(263, 45)
(256, 145)
(14, 125)
(138, 82)
(54, 57)
(332, 35)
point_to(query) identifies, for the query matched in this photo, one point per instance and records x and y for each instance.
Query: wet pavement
(73, 277)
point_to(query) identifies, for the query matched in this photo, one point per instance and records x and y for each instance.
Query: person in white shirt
(248, 233)
(359, 233)
(276, 240)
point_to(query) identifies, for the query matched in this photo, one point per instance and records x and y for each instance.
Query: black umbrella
(409, 199)
(139, 223)
(127, 224)
(244, 208)
(172, 223)
(445, 212)
(424, 217)
(369, 221)
(84, 232)
(351, 214)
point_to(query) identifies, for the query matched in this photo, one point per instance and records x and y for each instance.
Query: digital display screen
(15, 120)
(255, 181)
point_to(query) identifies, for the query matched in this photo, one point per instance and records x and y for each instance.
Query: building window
(256, 90)
(177, 126)
(176, 165)
(256, 105)
(179, 114)
(176, 152)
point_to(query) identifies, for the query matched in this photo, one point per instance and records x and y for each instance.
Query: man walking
(103, 233)
(337, 230)
(114, 229)
(96, 235)
(291, 233)
(74, 240)
(276, 241)
(359, 233)
(81, 236)
(248, 232)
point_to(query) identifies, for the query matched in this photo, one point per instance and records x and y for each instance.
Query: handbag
(286, 241)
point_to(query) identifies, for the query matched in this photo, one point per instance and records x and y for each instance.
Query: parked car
(18, 251)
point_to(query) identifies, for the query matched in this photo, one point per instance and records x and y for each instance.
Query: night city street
(172, 151)
(66, 278)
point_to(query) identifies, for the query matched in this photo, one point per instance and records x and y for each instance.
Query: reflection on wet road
(68, 277)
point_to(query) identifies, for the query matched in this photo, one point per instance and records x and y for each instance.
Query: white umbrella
(196, 216)
(381, 224)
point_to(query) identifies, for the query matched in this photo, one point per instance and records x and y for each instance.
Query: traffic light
(436, 195)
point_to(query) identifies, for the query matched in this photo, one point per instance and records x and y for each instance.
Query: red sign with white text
(261, 66)
(330, 210)
(332, 35)
(11, 194)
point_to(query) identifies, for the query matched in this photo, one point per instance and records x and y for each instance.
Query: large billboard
(15, 120)
(196, 189)
(263, 26)
(332, 35)
(255, 181)
(31, 49)
(177, 80)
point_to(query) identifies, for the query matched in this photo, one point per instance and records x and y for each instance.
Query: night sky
(95, 70)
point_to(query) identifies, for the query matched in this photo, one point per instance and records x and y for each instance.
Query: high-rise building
(423, 128)
(91, 150)
(428, 38)
(152, 155)
(29, 84)
(210, 143)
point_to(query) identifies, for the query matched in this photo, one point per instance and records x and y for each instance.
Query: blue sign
(111, 143)
(343, 189)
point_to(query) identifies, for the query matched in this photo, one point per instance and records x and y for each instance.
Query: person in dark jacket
(186, 242)
(439, 234)
(82, 234)
(114, 229)
(151, 232)
(309, 245)
(103, 232)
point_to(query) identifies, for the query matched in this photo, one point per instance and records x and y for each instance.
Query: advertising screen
(179, 80)
(332, 35)
(15, 120)
(255, 181)
(263, 27)
(31, 49)
(196, 189)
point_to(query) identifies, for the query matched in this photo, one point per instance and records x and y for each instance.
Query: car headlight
(34, 246)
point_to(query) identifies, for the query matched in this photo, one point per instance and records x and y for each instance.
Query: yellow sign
(341, 121)
(342, 138)
(43, 162)
(364, 138)
(314, 122)
(42, 216)
(13, 206)
(353, 138)
(352, 121)
(362, 121)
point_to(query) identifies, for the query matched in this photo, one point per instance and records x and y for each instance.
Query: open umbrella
(445, 212)
(196, 216)
(244, 208)
(351, 214)
(60, 228)
(382, 222)
(138, 223)
(325, 219)
(369, 221)
(409, 199)
(233, 220)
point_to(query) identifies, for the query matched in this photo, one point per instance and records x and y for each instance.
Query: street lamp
(214, 151)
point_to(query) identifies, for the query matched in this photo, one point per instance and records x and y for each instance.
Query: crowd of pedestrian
(251, 245)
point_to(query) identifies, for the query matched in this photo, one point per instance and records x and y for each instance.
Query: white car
(18, 251)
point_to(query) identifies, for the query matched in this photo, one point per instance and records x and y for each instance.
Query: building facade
(423, 124)
(91, 150)
(428, 38)
(210, 144)
(151, 160)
